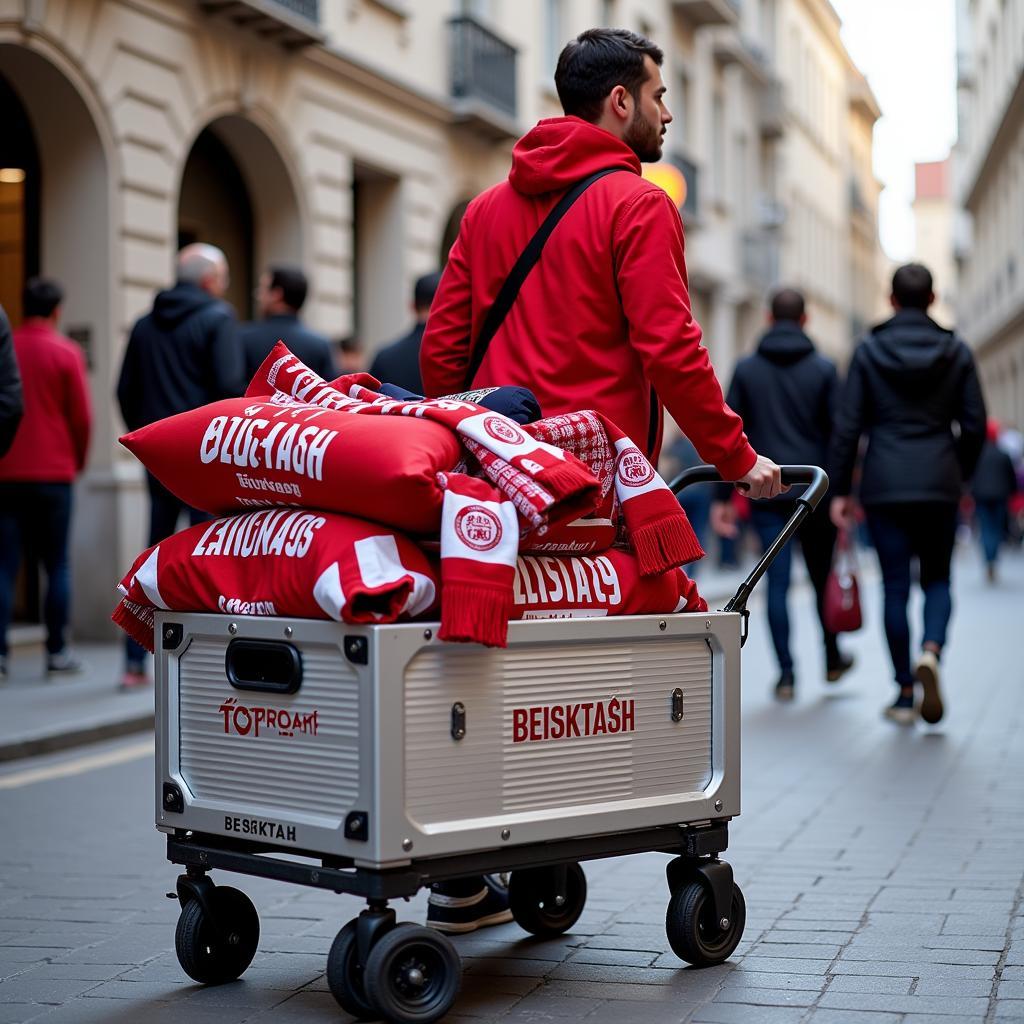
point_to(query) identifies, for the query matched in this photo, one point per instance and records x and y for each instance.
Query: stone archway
(65, 216)
(237, 193)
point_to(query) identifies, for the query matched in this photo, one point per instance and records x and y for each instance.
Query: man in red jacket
(48, 452)
(603, 320)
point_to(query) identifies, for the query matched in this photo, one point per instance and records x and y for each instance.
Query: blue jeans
(696, 503)
(900, 533)
(992, 524)
(37, 517)
(164, 512)
(817, 539)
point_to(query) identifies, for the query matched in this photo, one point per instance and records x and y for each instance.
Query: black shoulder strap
(517, 275)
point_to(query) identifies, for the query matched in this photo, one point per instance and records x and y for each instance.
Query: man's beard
(644, 138)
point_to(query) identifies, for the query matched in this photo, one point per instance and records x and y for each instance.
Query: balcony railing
(308, 9)
(708, 12)
(483, 73)
(291, 23)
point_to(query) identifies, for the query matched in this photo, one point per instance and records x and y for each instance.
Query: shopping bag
(842, 613)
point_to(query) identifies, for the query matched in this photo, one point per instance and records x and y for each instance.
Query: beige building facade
(347, 135)
(989, 186)
(933, 234)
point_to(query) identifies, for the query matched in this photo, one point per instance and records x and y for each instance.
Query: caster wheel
(693, 932)
(534, 906)
(344, 979)
(412, 975)
(211, 957)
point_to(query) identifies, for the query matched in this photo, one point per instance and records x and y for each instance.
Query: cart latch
(677, 705)
(458, 720)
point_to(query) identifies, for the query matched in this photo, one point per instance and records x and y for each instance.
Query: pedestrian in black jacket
(785, 394)
(281, 294)
(913, 390)
(10, 386)
(399, 362)
(994, 483)
(183, 354)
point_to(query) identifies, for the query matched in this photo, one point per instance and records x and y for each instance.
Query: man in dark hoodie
(785, 394)
(913, 390)
(182, 355)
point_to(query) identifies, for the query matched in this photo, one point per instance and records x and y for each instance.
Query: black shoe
(836, 668)
(784, 688)
(457, 915)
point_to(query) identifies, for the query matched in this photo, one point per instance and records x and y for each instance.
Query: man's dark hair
(350, 345)
(42, 295)
(596, 61)
(424, 291)
(912, 286)
(787, 304)
(293, 285)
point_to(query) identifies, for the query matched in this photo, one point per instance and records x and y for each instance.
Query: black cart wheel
(412, 975)
(694, 933)
(344, 979)
(217, 951)
(536, 904)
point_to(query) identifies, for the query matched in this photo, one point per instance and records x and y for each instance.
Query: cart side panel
(305, 760)
(555, 724)
(284, 768)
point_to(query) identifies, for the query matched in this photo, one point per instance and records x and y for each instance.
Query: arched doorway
(19, 202)
(237, 193)
(55, 220)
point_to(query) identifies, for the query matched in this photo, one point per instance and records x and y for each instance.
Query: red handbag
(842, 612)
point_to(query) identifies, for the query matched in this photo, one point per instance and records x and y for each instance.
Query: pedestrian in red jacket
(48, 452)
(603, 319)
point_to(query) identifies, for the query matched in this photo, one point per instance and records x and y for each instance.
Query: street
(881, 866)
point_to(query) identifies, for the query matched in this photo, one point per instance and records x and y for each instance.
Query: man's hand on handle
(763, 481)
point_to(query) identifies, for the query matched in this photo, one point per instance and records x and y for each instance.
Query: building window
(680, 107)
(553, 32)
(718, 168)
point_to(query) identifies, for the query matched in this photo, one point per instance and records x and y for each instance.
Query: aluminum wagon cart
(375, 760)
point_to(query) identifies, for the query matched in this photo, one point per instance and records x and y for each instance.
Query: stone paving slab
(881, 869)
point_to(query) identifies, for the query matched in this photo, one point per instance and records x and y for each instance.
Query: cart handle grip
(813, 476)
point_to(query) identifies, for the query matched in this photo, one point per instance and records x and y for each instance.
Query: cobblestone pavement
(882, 869)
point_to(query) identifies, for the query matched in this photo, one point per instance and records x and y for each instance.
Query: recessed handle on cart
(817, 484)
(267, 666)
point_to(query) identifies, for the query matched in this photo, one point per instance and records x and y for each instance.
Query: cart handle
(813, 476)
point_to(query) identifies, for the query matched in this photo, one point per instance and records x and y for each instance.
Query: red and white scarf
(561, 485)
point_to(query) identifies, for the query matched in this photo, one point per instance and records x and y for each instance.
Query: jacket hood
(911, 348)
(559, 151)
(174, 305)
(785, 343)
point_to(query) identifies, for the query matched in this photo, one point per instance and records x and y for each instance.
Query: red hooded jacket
(53, 439)
(604, 315)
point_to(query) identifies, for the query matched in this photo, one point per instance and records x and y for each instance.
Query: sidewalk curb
(51, 743)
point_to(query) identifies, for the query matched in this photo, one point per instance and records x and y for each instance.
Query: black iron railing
(309, 9)
(483, 65)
